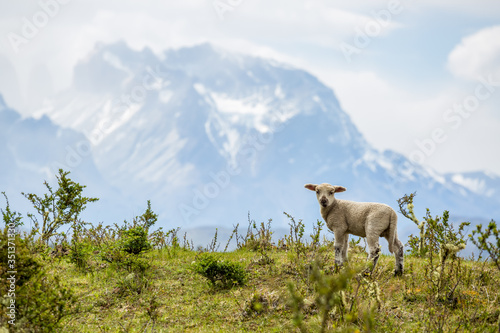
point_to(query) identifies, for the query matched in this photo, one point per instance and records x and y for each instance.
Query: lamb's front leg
(345, 248)
(340, 252)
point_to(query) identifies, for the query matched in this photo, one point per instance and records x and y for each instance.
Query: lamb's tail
(393, 231)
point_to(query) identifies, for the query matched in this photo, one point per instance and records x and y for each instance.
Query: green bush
(57, 208)
(41, 301)
(220, 274)
(132, 284)
(135, 240)
(488, 240)
(119, 259)
(14, 219)
(437, 234)
(80, 253)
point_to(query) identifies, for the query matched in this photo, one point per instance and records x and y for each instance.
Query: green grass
(176, 299)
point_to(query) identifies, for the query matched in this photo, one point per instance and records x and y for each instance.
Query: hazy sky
(418, 77)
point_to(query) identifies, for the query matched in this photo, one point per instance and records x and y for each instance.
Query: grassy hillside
(133, 278)
(173, 298)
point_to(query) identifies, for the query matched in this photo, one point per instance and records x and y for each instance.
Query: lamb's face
(325, 193)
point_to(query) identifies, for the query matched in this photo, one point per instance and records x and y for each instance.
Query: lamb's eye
(331, 192)
(317, 192)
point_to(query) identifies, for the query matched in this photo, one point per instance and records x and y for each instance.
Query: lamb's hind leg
(398, 250)
(399, 255)
(374, 249)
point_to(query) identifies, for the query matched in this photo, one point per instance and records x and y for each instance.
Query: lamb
(364, 219)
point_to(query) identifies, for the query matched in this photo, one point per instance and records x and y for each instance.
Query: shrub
(439, 243)
(57, 208)
(10, 218)
(483, 241)
(135, 240)
(148, 218)
(329, 300)
(160, 239)
(41, 301)
(437, 234)
(132, 284)
(80, 253)
(257, 238)
(295, 241)
(120, 259)
(223, 274)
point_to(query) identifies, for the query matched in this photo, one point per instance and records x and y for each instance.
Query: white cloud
(475, 8)
(389, 116)
(257, 27)
(478, 55)
(392, 117)
(305, 34)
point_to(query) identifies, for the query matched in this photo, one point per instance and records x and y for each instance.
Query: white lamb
(364, 219)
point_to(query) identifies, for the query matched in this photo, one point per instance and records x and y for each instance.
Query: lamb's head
(325, 193)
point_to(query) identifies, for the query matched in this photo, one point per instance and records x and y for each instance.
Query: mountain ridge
(208, 135)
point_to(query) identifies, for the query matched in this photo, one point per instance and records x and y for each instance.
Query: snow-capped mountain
(209, 135)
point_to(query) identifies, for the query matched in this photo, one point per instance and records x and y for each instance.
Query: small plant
(57, 208)
(406, 207)
(315, 236)
(119, 259)
(135, 240)
(220, 274)
(355, 247)
(488, 240)
(439, 244)
(233, 234)
(166, 240)
(257, 238)
(80, 253)
(442, 236)
(330, 293)
(148, 218)
(214, 245)
(437, 235)
(329, 300)
(99, 236)
(11, 218)
(295, 240)
(153, 311)
(297, 305)
(132, 284)
(80, 249)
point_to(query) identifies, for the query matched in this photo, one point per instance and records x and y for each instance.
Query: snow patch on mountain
(476, 185)
(252, 111)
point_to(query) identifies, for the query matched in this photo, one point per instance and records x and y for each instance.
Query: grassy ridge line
(183, 301)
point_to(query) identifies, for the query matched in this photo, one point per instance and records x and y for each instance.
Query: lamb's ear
(340, 189)
(311, 187)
